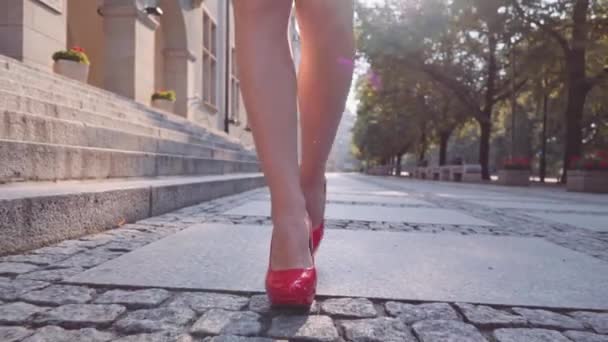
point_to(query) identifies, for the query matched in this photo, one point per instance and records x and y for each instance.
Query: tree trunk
(543, 154)
(399, 158)
(485, 122)
(484, 148)
(422, 152)
(444, 137)
(577, 85)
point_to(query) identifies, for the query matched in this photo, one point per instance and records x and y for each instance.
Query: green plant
(168, 95)
(75, 54)
(594, 162)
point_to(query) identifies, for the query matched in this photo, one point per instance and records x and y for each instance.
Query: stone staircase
(76, 159)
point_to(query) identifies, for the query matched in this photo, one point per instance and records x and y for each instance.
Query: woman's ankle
(314, 194)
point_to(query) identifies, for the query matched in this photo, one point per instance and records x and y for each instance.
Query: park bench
(445, 173)
(421, 172)
(465, 173)
(380, 170)
(434, 172)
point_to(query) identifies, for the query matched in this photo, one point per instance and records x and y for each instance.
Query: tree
(586, 20)
(461, 45)
(384, 129)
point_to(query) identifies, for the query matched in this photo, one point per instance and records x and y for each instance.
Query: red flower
(77, 49)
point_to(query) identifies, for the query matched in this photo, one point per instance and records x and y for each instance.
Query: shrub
(164, 95)
(516, 164)
(75, 54)
(593, 162)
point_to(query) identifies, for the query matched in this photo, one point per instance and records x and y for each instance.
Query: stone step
(132, 120)
(40, 129)
(37, 214)
(47, 108)
(28, 161)
(24, 79)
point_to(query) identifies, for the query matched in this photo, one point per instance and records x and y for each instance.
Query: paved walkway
(441, 262)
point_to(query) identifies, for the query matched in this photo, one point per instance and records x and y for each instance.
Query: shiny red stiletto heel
(293, 288)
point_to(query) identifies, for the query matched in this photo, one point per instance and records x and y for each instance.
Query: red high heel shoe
(292, 288)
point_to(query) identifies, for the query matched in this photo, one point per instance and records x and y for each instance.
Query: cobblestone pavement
(36, 305)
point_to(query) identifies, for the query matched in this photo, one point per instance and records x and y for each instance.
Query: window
(209, 62)
(235, 90)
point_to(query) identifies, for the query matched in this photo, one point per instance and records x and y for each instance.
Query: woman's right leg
(268, 82)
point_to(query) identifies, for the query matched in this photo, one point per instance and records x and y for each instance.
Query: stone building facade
(133, 52)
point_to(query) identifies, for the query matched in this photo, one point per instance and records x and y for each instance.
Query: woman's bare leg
(268, 81)
(324, 78)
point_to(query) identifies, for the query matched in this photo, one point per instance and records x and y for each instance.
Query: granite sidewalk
(441, 262)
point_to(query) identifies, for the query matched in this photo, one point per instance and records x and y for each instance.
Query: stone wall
(32, 31)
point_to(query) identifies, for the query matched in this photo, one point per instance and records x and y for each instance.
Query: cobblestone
(15, 268)
(81, 315)
(485, 316)
(598, 321)
(260, 304)
(410, 313)
(13, 334)
(349, 307)
(528, 335)
(201, 302)
(12, 289)
(64, 251)
(57, 334)
(52, 275)
(310, 328)
(155, 320)
(230, 315)
(59, 295)
(140, 299)
(18, 313)
(88, 259)
(35, 259)
(157, 337)
(219, 321)
(232, 338)
(442, 330)
(383, 329)
(548, 319)
(124, 245)
(583, 336)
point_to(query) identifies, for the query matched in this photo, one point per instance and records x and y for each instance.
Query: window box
(595, 181)
(512, 177)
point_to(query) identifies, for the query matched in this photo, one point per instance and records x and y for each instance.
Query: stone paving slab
(373, 213)
(390, 265)
(541, 205)
(593, 222)
(342, 191)
(375, 199)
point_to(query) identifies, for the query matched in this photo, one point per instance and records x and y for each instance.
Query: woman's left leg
(324, 79)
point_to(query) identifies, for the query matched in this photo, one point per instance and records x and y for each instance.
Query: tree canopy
(436, 66)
